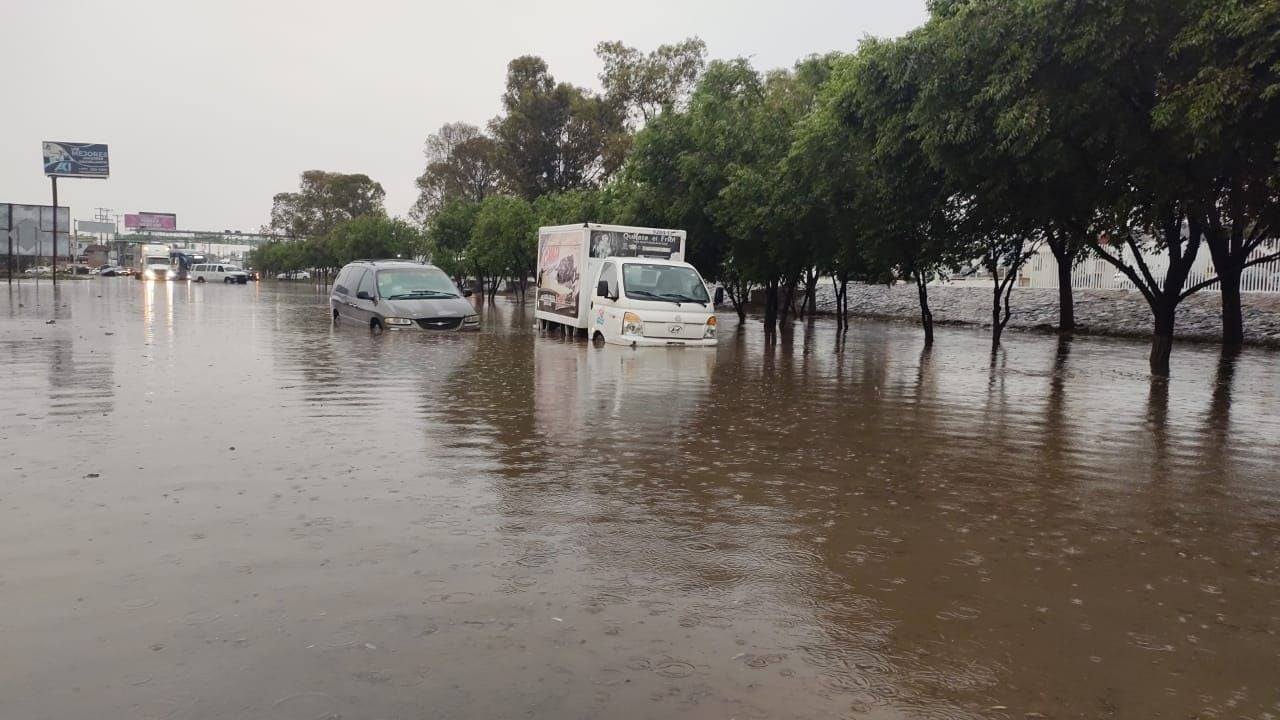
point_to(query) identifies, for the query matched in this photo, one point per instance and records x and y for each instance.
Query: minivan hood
(428, 308)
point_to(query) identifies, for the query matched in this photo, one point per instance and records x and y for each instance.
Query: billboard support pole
(54, 179)
(9, 234)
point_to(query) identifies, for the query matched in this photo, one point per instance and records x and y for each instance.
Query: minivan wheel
(226, 281)
(199, 279)
(375, 325)
(335, 314)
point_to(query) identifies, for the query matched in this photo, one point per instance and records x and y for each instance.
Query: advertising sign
(95, 226)
(605, 243)
(32, 229)
(560, 268)
(69, 159)
(151, 221)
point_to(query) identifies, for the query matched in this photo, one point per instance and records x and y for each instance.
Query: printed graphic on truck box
(560, 268)
(613, 243)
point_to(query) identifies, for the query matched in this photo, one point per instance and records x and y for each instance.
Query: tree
(670, 180)
(570, 207)
(449, 233)
(773, 232)
(862, 139)
(504, 243)
(1154, 184)
(646, 85)
(554, 136)
(1224, 109)
(462, 164)
(373, 237)
(323, 200)
(1003, 116)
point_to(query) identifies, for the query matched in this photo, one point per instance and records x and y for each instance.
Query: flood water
(215, 504)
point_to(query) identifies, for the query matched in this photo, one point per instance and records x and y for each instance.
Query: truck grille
(450, 323)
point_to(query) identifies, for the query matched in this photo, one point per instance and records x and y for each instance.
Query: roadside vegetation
(1120, 129)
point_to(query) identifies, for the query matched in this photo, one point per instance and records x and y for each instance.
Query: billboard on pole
(32, 229)
(70, 159)
(95, 226)
(151, 221)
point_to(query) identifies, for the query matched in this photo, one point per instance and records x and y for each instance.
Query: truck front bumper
(634, 341)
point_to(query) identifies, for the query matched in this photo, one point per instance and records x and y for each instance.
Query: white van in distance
(219, 272)
(625, 285)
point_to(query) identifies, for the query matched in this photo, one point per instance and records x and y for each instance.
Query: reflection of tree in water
(882, 521)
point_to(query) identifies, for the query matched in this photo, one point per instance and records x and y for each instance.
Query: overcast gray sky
(210, 108)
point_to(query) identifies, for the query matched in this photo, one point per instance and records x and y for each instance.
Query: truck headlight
(632, 324)
(397, 321)
(471, 320)
(149, 274)
(710, 332)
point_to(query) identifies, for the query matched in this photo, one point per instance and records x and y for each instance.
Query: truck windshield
(672, 283)
(157, 261)
(414, 282)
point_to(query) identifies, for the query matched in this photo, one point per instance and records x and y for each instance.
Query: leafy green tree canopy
(323, 200)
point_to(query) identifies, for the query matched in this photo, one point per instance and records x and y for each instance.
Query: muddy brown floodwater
(214, 504)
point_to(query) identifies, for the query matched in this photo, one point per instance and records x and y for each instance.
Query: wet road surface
(216, 505)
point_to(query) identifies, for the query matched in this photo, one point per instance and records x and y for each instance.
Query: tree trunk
(1232, 313)
(770, 304)
(788, 300)
(926, 315)
(809, 307)
(1162, 337)
(997, 327)
(1066, 299)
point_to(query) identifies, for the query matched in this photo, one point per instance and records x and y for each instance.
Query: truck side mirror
(602, 289)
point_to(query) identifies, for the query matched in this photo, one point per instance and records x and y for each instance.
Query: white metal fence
(1041, 270)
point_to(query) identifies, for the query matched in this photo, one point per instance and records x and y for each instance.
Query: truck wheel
(199, 279)
(598, 339)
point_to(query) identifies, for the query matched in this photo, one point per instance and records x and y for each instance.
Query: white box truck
(626, 285)
(151, 262)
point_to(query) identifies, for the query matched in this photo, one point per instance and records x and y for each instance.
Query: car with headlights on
(400, 295)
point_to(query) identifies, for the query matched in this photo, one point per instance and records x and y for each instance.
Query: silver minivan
(397, 294)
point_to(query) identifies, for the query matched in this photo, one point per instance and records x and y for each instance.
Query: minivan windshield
(670, 283)
(403, 283)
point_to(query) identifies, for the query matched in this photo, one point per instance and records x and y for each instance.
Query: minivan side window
(340, 284)
(368, 283)
(353, 282)
(609, 275)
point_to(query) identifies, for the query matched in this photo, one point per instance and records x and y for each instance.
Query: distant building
(95, 255)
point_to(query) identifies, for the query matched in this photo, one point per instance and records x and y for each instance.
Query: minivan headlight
(632, 324)
(397, 321)
(710, 332)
